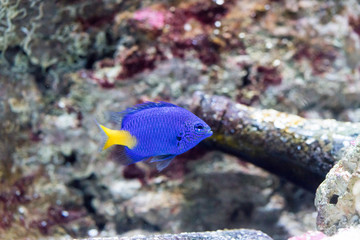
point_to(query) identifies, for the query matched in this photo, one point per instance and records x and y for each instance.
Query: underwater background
(65, 63)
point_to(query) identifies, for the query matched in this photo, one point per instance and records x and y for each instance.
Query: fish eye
(198, 127)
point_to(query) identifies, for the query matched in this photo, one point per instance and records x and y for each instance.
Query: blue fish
(159, 131)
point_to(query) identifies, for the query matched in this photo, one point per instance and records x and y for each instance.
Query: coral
(102, 81)
(152, 19)
(208, 12)
(310, 236)
(17, 200)
(269, 75)
(355, 24)
(13, 198)
(207, 31)
(56, 35)
(134, 61)
(348, 233)
(56, 215)
(321, 58)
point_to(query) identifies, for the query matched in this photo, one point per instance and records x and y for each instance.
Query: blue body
(162, 130)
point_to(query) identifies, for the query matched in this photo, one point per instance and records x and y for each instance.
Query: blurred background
(64, 63)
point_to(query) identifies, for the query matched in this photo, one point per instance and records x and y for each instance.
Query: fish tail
(112, 137)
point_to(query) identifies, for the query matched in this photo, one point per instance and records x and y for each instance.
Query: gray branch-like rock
(298, 149)
(239, 234)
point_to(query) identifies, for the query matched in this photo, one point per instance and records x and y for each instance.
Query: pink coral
(152, 18)
(309, 236)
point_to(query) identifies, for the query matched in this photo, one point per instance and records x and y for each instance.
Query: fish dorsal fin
(118, 117)
(146, 105)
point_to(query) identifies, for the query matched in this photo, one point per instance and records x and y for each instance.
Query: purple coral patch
(321, 58)
(269, 75)
(355, 24)
(56, 215)
(207, 12)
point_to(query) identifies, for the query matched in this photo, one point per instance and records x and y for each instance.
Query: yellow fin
(117, 137)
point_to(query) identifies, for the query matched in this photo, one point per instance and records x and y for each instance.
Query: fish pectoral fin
(161, 158)
(163, 164)
(162, 161)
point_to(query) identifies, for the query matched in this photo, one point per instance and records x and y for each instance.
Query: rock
(338, 197)
(239, 234)
(301, 150)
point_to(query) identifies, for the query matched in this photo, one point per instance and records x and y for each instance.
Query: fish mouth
(210, 133)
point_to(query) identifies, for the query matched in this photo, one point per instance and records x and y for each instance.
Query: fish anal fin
(124, 156)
